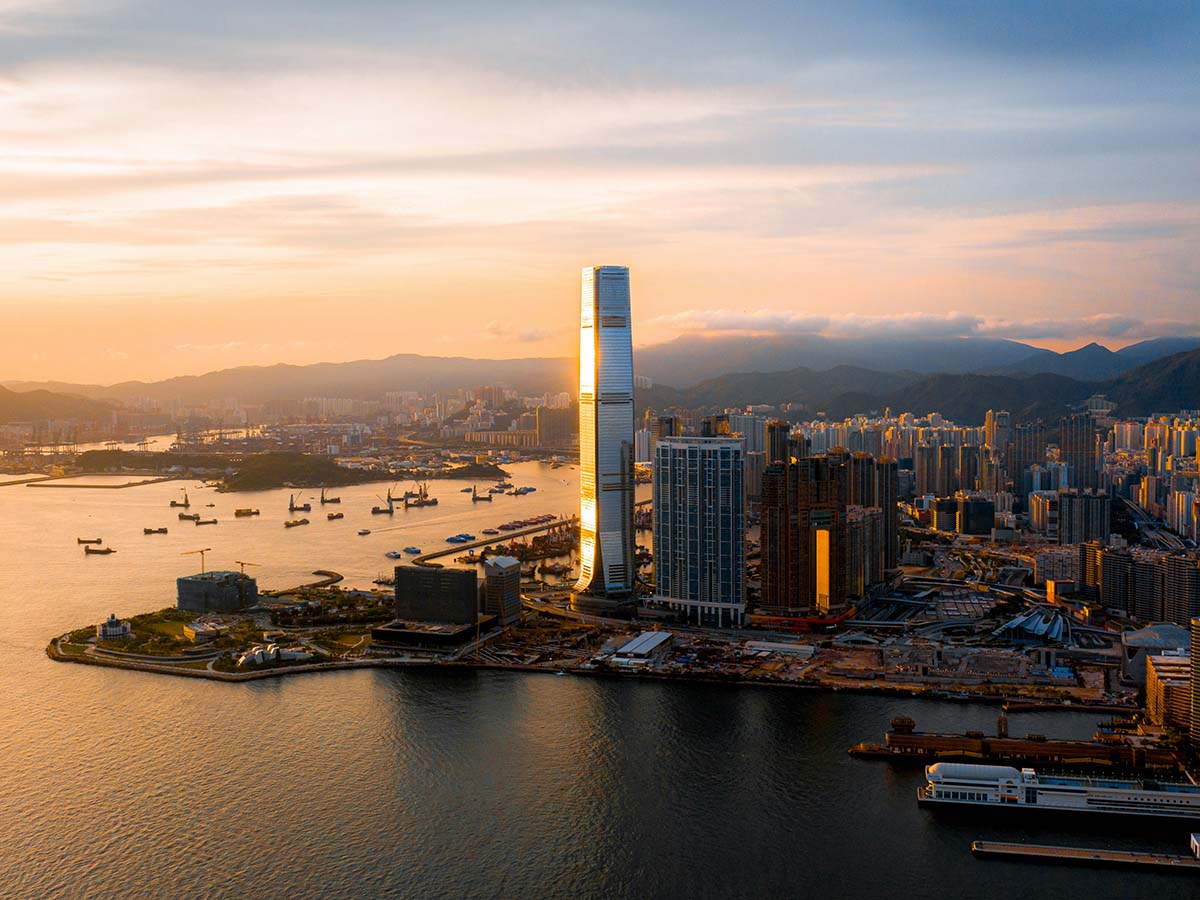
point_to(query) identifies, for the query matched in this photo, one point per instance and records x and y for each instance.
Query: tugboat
(332, 516)
(292, 507)
(184, 503)
(325, 499)
(89, 540)
(154, 531)
(98, 551)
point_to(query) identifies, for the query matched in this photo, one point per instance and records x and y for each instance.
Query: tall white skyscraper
(606, 435)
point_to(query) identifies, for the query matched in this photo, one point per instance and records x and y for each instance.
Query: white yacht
(962, 784)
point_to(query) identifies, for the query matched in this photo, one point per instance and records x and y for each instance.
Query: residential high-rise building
(699, 529)
(606, 435)
(1077, 448)
(1083, 517)
(777, 441)
(1026, 447)
(804, 567)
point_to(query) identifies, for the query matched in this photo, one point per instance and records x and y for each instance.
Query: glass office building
(606, 448)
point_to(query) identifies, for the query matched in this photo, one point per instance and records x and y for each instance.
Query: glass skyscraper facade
(606, 449)
(700, 530)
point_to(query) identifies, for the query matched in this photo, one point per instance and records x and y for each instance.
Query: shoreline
(53, 651)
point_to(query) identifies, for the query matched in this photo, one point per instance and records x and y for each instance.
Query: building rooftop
(1164, 636)
(644, 643)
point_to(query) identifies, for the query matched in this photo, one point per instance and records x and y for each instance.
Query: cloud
(930, 325)
(505, 331)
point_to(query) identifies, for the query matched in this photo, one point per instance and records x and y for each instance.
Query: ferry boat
(965, 784)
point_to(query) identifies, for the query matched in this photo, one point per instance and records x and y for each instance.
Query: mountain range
(960, 377)
(1162, 386)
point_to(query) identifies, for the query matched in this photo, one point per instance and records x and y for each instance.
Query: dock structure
(904, 742)
(1090, 856)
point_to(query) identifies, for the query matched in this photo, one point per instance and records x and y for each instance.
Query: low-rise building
(113, 629)
(202, 632)
(648, 647)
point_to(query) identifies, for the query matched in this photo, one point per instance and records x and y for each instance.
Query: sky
(191, 186)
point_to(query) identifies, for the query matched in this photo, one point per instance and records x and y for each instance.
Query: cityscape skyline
(789, 169)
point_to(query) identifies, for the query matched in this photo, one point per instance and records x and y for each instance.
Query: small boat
(241, 513)
(206, 521)
(210, 504)
(89, 540)
(385, 582)
(394, 554)
(466, 490)
(154, 531)
(294, 522)
(99, 551)
(413, 551)
(491, 531)
(560, 672)
(189, 517)
(363, 532)
(332, 516)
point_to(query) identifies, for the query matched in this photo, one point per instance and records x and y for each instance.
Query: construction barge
(1112, 748)
(1085, 855)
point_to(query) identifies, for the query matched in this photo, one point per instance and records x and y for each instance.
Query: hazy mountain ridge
(41, 404)
(1163, 386)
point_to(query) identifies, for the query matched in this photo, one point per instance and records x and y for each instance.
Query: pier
(426, 559)
(1083, 856)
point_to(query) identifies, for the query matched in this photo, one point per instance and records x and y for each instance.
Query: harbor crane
(244, 564)
(201, 552)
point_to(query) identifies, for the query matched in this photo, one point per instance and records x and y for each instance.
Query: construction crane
(244, 564)
(201, 552)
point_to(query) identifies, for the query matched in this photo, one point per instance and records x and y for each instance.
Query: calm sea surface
(442, 784)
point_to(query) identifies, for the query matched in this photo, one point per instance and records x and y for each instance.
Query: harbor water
(446, 784)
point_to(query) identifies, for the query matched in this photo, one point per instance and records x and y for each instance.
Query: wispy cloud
(934, 325)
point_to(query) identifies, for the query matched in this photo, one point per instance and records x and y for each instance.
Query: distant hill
(690, 359)
(1092, 362)
(360, 379)
(1164, 385)
(38, 405)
